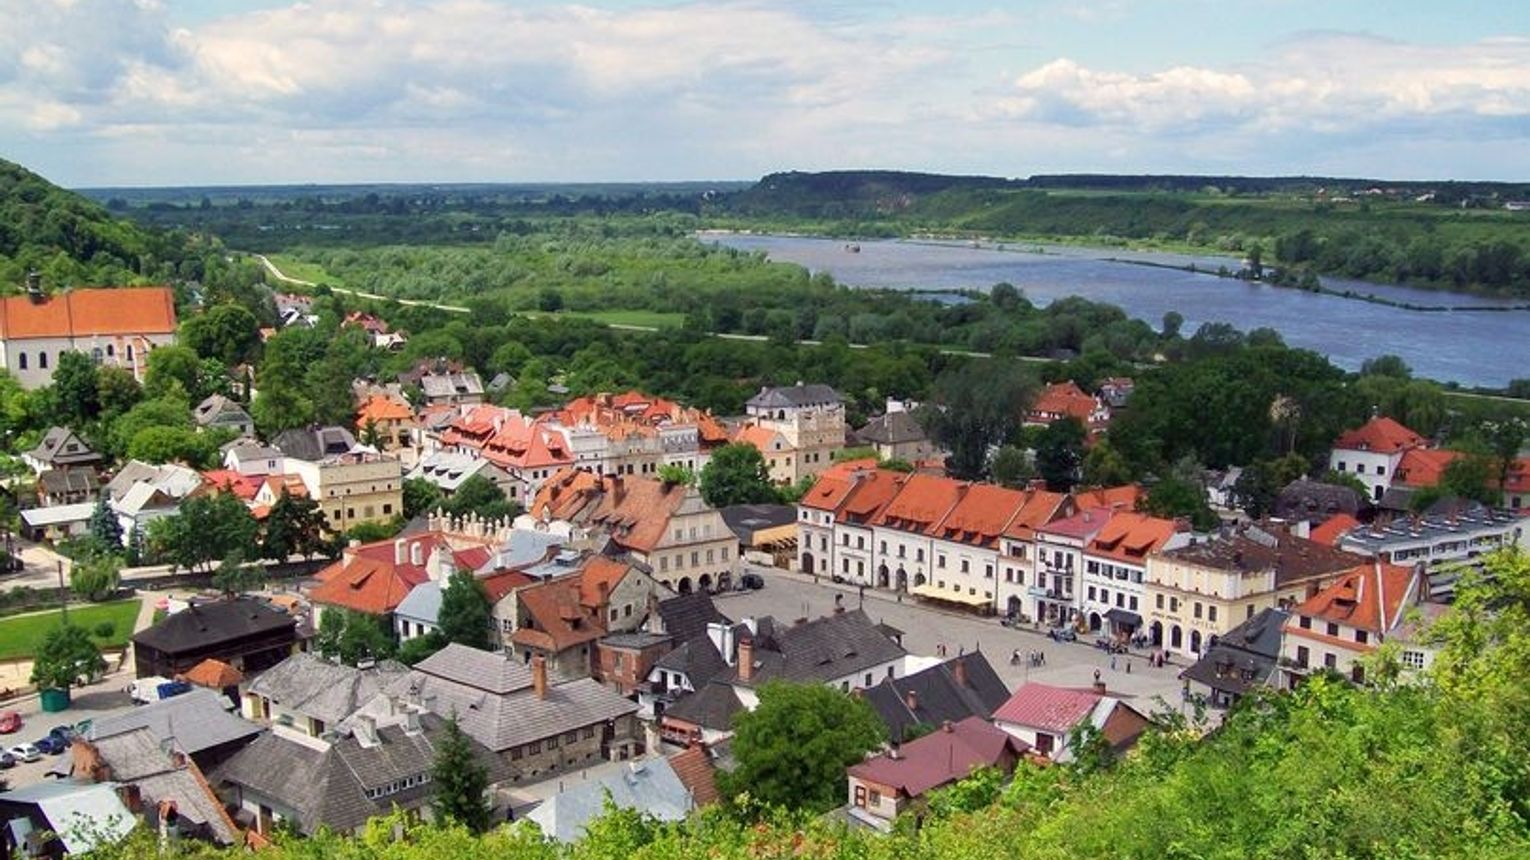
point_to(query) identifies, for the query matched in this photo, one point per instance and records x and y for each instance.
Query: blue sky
(154, 92)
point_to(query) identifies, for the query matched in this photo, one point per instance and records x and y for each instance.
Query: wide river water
(1470, 347)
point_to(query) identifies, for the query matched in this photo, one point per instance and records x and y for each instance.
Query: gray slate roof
(820, 650)
(789, 396)
(464, 684)
(329, 788)
(196, 720)
(745, 520)
(57, 482)
(712, 706)
(1242, 658)
(1317, 501)
(938, 696)
(217, 409)
(136, 757)
(451, 384)
(894, 428)
(686, 616)
(314, 443)
(697, 659)
(650, 786)
(52, 449)
(310, 685)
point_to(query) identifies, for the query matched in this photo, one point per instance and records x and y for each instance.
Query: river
(1485, 348)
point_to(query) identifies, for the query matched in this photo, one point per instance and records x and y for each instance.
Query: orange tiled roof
(693, 766)
(1424, 467)
(1332, 529)
(559, 620)
(637, 510)
(1064, 398)
(827, 493)
(922, 502)
(1041, 507)
(85, 312)
(599, 576)
(868, 497)
(370, 578)
(984, 512)
(380, 408)
(761, 438)
(242, 486)
(1369, 597)
(214, 674)
(1130, 536)
(1125, 497)
(497, 585)
(1381, 435)
(565, 494)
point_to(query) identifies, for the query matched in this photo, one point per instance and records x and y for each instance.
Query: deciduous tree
(465, 612)
(67, 657)
(973, 409)
(461, 782)
(736, 475)
(792, 750)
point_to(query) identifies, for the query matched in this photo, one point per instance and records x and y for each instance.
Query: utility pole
(63, 597)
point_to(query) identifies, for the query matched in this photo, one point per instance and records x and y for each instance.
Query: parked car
(49, 745)
(1063, 634)
(751, 582)
(7, 761)
(10, 723)
(64, 734)
(25, 752)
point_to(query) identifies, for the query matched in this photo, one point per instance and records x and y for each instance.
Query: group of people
(1036, 658)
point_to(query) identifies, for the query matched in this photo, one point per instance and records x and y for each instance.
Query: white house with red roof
(115, 326)
(1112, 594)
(1059, 561)
(1044, 717)
(886, 785)
(1351, 618)
(1373, 451)
(375, 578)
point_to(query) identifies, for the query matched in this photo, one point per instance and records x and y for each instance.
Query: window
(1302, 656)
(1043, 743)
(570, 737)
(1341, 465)
(1197, 609)
(884, 547)
(21, 360)
(965, 566)
(588, 732)
(1333, 629)
(940, 561)
(1331, 661)
(42, 361)
(552, 742)
(1091, 592)
(1174, 604)
(1158, 601)
(1362, 636)
(1304, 623)
(534, 747)
(875, 798)
(919, 555)
(868, 679)
(1357, 673)
(1413, 659)
(1211, 613)
(1133, 604)
(387, 509)
(515, 753)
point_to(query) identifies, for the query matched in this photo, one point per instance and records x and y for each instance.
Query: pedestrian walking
(1128, 667)
(1112, 662)
(1043, 658)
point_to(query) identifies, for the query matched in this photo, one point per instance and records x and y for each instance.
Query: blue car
(50, 745)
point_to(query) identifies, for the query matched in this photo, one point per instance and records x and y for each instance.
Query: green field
(292, 267)
(652, 319)
(20, 635)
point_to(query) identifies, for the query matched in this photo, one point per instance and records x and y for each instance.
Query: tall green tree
(973, 408)
(96, 576)
(104, 527)
(481, 496)
(465, 613)
(295, 526)
(461, 782)
(76, 384)
(67, 657)
(792, 750)
(1012, 467)
(420, 497)
(736, 475)
(352, 637)
(1060, 453)
(233, 576)
(227, 333)
(207, 529)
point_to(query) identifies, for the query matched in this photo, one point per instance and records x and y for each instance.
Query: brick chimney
(539, 675)
(959, 671)
(1099, 686)
(746, 658)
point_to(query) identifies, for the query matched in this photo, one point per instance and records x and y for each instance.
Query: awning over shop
(1124, 618)
(932, 593)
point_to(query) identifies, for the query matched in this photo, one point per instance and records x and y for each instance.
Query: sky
(196, 92)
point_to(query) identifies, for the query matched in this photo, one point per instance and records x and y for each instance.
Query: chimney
(398, 551)
(1099, 687)
(416, 554)
(539, 675)
(366, 731)
(746, 658)
(911, 699)
(959, 671)
(34, 286)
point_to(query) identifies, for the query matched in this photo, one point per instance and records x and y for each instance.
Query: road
(413, 303)
(788, 596)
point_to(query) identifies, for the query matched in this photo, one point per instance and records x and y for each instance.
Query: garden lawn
(653, 319)
(21, 634)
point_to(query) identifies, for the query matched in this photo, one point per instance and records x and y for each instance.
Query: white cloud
(1320, 82)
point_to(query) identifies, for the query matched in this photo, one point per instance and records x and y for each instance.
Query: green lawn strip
(292, 267)
(20, 635)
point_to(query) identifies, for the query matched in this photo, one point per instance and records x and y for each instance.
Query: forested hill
(849, 193)
(72, 240)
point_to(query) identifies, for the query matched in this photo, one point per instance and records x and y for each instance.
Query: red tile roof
(1063, 399)
(497, 585)
(1125, 497)
(1082, 524)
(984, 512)
(559, 618)
(635, 510)
(242, 486)
(1041, 507)
(1052, 709)
(827, 493)
(380, 408)
(633, 412)
(869, 496)
(1335, 527)
(1130, 536)
(1370, 597)
(1424, 467)
(1381, 435)
(762, 438)
(946, 755)
(370, 578)
(598, 578)
(213, 674)
(921, 503)
(86, 312)
(694, 768)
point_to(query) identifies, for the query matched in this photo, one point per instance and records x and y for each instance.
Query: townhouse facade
(811, 417)
(1350, 619)
(1112, 592)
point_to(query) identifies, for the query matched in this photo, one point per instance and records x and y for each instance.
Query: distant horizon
(177, 93)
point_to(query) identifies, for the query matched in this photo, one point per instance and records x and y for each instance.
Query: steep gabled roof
(1040, 508)
(921, 503)
(1053, 709)
(820, 650)
(1369, 597)
(1381, 435)
(1130, 536)
(944, 756)
(1332, 529)
(382, 407)
(1065, 399)
(938, 694)
(694, 768)
(793, 396)
(1424, 467)
(984, 512)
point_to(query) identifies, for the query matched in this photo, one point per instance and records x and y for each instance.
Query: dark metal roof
(745, 520)
(1243, 657)
(712, 706)
(937, 696)
(894, 428)
(199, 626)
(795, 396)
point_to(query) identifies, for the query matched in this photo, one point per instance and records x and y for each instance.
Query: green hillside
(72, 240)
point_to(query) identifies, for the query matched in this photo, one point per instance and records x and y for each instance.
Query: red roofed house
(390, 418)
(683, 541)
(635, 433)
(116, 326)
(1066, 400)
(1059, 558)
(1333, 528)
(1351, 618)
(1373, 451)
(1112, 594)
(780, 456)
(1017, 549)
(563, 618)
(1043, 716)
(374, 578)
(886, 785)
